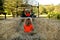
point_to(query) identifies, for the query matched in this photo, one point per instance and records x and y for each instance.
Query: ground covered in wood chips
(44, 29)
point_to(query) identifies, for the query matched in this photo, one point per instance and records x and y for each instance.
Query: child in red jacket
(27, 14)
(28, 27)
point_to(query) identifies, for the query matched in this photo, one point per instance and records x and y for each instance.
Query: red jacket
(27, 14)
(28, 28)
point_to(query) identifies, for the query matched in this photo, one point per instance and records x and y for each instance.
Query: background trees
(1, 5)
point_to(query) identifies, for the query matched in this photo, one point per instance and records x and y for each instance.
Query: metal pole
(17, 9)
(38, 9)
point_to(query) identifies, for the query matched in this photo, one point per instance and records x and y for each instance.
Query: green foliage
(35, 9)
(44, 11)
(1, 5)
(58, 16)
(8, 11)
(54, 15)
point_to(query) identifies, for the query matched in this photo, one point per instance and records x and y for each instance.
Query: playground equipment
(28, 13)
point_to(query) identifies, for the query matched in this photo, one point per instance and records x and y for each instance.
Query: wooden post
(5, 16)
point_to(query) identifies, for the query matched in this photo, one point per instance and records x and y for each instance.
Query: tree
(1, 5)
(12, 5)
(42, 9)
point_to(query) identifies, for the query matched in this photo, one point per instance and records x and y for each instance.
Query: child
(27, 14)
(28, 27)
